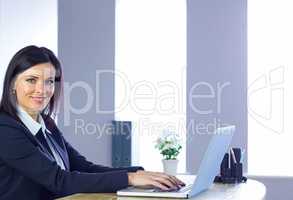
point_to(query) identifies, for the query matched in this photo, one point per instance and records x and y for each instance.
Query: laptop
(209, 168)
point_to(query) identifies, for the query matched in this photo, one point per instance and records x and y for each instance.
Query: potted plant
(169, 146)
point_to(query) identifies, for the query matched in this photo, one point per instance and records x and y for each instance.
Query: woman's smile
(38, 100)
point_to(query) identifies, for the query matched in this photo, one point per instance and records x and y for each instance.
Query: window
(270, 72)
(150, 72)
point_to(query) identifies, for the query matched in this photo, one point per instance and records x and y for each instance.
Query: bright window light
(150, 67)
(270, 86)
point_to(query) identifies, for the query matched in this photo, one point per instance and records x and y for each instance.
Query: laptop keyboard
(183, 189)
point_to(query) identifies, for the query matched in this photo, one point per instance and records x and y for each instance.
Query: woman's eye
(50, 82)
(31, 80)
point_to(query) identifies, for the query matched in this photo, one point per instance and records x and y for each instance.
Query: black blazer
(28, 170)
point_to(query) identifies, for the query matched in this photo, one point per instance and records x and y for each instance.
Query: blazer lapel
(8, 120)
(38, 143)
(54, 138)
(60, 150)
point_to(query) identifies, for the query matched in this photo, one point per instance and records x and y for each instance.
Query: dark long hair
(24, 59)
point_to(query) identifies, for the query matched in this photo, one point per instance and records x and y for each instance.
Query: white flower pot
(170, 166)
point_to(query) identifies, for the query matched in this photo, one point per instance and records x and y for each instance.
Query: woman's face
(34, 88)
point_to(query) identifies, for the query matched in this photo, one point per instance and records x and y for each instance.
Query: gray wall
(86, 45)
(216, 55)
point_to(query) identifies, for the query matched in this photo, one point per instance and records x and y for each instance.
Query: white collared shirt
(34, 128)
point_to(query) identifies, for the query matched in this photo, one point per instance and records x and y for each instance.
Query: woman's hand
(147, 179)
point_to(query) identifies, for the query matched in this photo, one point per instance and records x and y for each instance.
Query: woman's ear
(14, 85)
(14, 88)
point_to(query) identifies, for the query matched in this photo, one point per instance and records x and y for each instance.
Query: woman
(36, 162)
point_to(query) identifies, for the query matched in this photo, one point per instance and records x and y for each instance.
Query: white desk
(251, 190)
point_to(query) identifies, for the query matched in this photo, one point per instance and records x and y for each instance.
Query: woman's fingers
(178, 181)
(165, 181)
(159, 185)
(171, 178)
(156, 179)
(174, 179)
